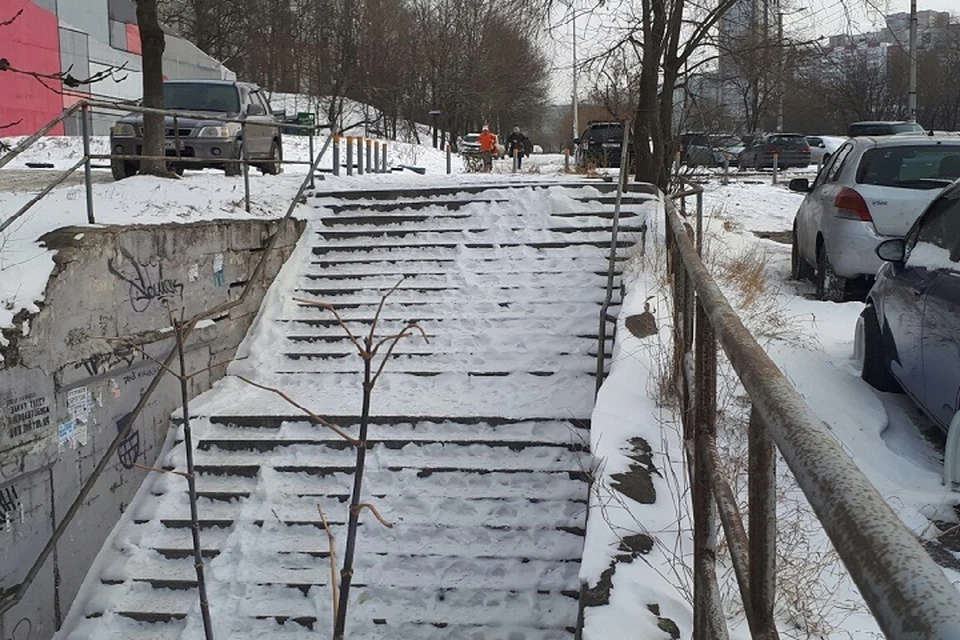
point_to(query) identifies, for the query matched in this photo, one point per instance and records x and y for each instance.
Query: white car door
(822, 194)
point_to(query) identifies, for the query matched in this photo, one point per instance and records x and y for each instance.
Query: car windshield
(471, 137)
(198, 96)
(787, 141)
(912, 167)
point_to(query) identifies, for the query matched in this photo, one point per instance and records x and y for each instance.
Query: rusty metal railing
(906, 592)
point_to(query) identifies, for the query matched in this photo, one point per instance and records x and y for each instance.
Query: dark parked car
(791, 149)
(882, 128)
(601, 145)
(203, 138)
(908, 335)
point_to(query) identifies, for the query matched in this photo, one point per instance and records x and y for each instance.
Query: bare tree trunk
(152, 41)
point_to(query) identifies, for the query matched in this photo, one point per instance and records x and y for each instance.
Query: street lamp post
(912, 95)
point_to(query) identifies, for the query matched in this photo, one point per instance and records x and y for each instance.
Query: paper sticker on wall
(114, 389)
(218, 280)
(193, 274)
(66, 432)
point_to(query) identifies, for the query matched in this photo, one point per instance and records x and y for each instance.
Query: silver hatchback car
(871, 189)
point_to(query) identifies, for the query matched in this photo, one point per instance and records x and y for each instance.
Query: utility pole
(779, 68)
(576, 106)
(912, 96)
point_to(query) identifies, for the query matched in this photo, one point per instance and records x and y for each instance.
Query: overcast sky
(818, 18)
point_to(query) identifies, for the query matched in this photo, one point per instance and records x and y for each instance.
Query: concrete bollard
(336, 155)
(360, 156)
(349, 155)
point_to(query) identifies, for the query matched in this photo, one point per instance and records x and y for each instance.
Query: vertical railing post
(359, 155)
(244, 156)
(376, 157)
(87, 177)
(336, 155)
(566, 160)
(699, 198)
(349, 156)
(310, 168)
(369, 144)
(763, 522)
(383, 160)
(776, 166)
(449, 159)
(708, 615)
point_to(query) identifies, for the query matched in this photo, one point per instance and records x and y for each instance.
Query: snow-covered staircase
(478, 449)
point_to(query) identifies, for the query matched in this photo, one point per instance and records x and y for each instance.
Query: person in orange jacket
(488, 147)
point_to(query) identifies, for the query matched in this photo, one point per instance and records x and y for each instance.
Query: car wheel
(235, 169)
(275, 166)
(830, 286)
(122, 169)
(874, 365)
(800, 269)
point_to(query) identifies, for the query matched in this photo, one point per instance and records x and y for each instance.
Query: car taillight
(772, 150)
(804, 149)
(851, 206)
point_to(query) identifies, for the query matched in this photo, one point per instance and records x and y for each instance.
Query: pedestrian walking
(518, 145)
(488, 147)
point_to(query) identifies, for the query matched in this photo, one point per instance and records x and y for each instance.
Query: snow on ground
(25, 265)
(812, 342)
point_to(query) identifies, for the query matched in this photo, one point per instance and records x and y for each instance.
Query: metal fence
(906, 591)
(84, 108)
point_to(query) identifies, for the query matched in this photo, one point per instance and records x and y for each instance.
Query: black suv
(203, 138)
(601, 145)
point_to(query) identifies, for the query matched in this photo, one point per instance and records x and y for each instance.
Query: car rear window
(910, 167)
(788, 141)
(604, 132)
(198, 96)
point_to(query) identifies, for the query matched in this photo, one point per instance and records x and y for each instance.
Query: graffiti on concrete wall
(23, 630)
(26, 414)
(101, 363)
(9, 505)
(147, 282)
(129, 449)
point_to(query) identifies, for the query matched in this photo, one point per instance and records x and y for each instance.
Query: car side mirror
(892, 250)
(256, 110)
(800, 184)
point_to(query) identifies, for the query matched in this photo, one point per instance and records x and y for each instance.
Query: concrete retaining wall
(65, 391)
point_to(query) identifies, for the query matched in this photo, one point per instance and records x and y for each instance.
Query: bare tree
(151, 37)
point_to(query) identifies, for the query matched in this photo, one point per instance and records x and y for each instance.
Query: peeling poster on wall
(66, 432)
(218, 280)
(79, 403)
(193, 274)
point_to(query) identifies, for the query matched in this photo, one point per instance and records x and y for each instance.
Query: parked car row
(884, 210)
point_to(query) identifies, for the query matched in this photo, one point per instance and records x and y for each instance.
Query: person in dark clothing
(518, 145)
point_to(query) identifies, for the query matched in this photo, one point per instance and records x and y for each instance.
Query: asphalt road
(33, 180)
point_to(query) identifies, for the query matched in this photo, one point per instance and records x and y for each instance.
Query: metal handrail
(10, 597)
(26, 143)
(906, 591)
(611, 259)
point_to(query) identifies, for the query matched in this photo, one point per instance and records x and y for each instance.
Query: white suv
(871, 189)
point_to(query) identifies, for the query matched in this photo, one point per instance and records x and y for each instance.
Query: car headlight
(123, 131)
(215, 132)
